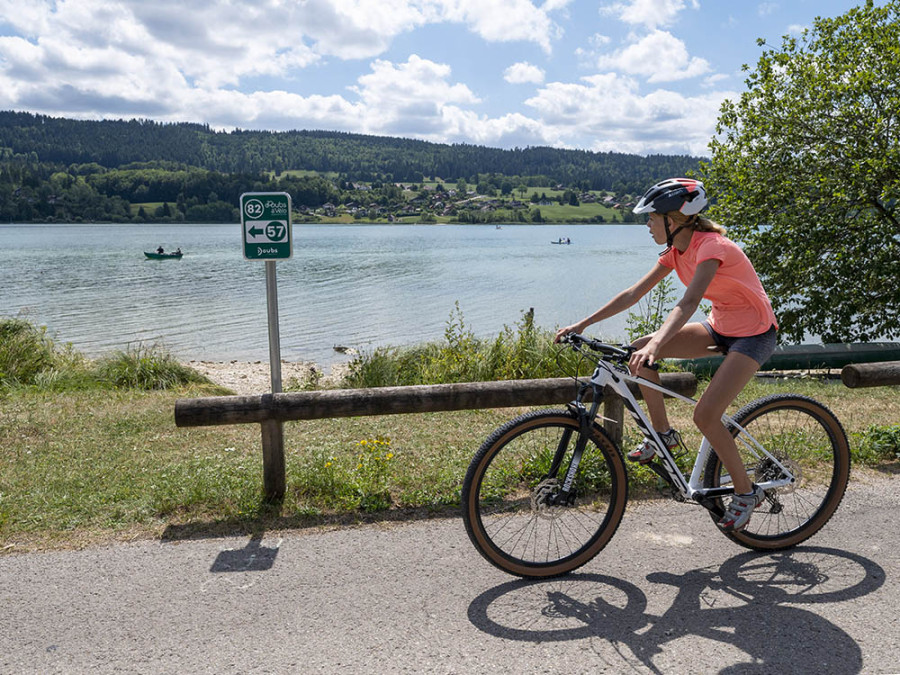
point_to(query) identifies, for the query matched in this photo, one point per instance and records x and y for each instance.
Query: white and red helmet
(685, 195)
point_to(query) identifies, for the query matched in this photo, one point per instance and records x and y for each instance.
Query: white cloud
(415, 97)
(505, 20)
(659, 56)
(223, 41)
(210, 45)
(132, 58)
(714, 79)
(608, 113)
(277, 110)
(351, 29)
(512, 129)
(648, 13)
(523, 73)
(602, 112)
(27, 18)
(415, 81)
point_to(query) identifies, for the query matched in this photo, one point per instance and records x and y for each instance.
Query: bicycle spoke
(804, 438)
(517, 514)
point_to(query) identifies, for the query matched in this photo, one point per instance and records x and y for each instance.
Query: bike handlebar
(618, 353)
(596, 345)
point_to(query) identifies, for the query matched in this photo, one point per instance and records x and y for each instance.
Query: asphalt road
(669, 594)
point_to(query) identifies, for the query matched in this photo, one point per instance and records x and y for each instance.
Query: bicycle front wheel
(805, 437)
(509, 495)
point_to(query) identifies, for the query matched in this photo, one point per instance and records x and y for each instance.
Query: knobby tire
(505, 491)
(805, 436)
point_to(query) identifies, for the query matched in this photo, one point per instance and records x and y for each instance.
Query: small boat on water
(562, 240)
(153, 255)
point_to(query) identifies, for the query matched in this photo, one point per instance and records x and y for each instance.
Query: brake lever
(630, 350)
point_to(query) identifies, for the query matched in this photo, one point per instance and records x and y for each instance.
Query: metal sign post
(274, 336)
(266, 227)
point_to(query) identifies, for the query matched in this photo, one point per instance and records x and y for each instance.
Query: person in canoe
(160, 250)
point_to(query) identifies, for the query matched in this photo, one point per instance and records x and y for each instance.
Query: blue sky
(637, 76)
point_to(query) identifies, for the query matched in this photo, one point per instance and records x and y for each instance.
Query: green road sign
(266, 224)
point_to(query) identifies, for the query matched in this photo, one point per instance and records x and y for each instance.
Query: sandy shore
(245, 377)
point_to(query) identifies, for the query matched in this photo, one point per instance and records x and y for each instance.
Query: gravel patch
(246, 378)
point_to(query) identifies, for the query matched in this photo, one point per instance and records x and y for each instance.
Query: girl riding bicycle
(741, 324)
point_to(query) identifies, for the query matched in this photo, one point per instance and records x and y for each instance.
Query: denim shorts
(757, 347)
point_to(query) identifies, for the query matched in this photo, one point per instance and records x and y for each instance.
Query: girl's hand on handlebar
(646, 355)
(562, 332)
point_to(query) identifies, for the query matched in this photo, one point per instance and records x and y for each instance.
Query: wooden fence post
(274, 481)
(614, 418)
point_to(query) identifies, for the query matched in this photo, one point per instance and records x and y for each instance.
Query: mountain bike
(546, 491)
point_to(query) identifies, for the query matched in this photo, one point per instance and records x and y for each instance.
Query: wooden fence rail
(871, 374)
(271, 410)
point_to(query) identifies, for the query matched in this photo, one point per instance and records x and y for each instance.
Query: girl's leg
(691, 342)
(731, 377)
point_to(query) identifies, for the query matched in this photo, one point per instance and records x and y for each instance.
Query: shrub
(29, 357)
(146, 367)
(25, 351)
(523, 352)
(878, 443)
(652, 310)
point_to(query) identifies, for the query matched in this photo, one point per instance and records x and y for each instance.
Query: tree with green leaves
(805, 172)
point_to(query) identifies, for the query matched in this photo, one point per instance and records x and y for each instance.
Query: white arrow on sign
(265, 231)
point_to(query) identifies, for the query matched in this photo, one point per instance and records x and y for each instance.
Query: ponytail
(707, 225)
(695, 222)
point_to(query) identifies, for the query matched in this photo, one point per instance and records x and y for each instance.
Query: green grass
(29, 357)
(92, 465)
(520, 352)
(81, 464)
(149, 207)
(88, 465)
(562, 214)
(145, 367)
(25, 351)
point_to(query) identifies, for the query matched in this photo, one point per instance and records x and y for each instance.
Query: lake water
(359, 286)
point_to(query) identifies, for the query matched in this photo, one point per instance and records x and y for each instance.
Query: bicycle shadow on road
(746, 604)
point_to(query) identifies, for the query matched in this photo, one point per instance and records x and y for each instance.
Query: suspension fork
(585, 420)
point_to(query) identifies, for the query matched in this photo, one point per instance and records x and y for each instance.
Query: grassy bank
(101, 458)
(29, 357)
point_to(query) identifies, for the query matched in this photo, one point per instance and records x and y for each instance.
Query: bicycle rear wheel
(508, 495)
(808, 439)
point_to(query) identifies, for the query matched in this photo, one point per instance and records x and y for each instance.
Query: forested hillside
(100, 170)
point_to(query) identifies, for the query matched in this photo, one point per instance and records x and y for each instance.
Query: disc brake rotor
(767, 470)
(541, 502)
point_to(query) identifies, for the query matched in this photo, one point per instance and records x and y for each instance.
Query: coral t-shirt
(740, 306)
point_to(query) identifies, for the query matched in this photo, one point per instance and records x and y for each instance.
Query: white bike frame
(607, 375)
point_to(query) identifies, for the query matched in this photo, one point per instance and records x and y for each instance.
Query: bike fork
(566, 495)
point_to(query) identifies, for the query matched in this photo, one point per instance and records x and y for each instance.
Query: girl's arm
(622, 301)
(679, 315)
